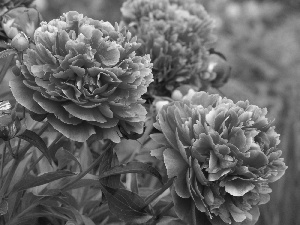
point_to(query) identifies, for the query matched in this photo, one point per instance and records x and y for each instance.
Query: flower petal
(80, 132)
(24, 96)
(238, 187)
(174, 162)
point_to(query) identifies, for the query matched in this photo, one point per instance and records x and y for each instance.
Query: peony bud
(21, 19)
(10, 124)
(20, 42)
(219, 69)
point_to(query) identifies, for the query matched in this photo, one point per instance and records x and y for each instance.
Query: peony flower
(177, 38)
(223, 154)
(85, 76)
(10, 123)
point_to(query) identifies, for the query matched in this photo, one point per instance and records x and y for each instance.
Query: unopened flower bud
(20, 42)
(219, 69)
(21, 19)
(10, 124)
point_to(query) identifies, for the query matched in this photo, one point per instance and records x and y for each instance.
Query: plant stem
(165, 209)
(155, 195)
(83, 173)
(9, 177)
(2, 164)
(8, 145)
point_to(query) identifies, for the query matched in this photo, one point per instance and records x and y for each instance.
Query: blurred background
(261, 40)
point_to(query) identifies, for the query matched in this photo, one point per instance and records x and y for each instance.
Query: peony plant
(85, 76)
(223, 155)
(84, 87)
(177, 37)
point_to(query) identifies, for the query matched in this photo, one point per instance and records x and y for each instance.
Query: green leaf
(7, 52)
(36, 141)
(3, 207)
(132, 167)
(126, 205)
(87, 180)
(5, 67)
(33, 181)
(64, 157)
(109, 159)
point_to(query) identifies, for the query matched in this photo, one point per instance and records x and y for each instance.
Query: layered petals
(85, 75)
(223, 154)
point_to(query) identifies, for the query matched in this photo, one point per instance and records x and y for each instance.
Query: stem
(2, 164)
(155, 195)
(8, 145)
(83, 173)
(9, 177)
(18, 146)
(165, 209)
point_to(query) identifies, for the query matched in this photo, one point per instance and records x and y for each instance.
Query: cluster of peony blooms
(85, 77)
(176, 36)
(223, 155)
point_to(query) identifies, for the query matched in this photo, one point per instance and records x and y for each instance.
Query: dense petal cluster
(176, 36)
(223, 154)
(85, 76)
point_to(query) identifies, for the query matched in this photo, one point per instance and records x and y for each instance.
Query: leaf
(132, 167)
(7, 52)
(126, 205)
(85, 156)
(36, 141)
(20, 170)
(64, 157)
(109, 159)
(5, 67)
(44, 211)
(87, 180)
(3, 207)
(33, 181)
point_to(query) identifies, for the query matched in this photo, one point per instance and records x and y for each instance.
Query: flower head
(223, 154)
(85, 75)
(177, 37)
(10, 123)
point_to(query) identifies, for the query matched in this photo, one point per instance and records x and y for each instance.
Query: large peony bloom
(223, 155)
(176, 36)
(85, 76)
